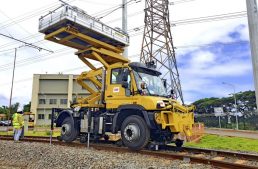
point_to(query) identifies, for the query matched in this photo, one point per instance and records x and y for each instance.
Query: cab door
(116, 94)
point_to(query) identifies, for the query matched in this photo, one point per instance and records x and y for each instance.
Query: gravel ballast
(40, 155)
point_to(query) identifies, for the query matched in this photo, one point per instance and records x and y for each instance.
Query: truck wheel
(68, 131)
(135, 132)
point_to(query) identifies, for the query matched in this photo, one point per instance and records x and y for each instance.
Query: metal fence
(245, 122)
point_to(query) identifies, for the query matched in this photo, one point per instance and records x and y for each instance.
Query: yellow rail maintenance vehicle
(128, 98)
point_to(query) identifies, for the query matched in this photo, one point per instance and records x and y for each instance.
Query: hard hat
(20, 109)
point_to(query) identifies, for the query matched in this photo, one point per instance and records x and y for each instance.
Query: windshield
(154, 84)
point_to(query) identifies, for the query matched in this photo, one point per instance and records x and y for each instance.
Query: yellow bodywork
(176, 117)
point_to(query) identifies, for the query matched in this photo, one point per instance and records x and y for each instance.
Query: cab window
(116, 76)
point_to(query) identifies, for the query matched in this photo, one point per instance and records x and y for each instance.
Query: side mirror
(125, 84)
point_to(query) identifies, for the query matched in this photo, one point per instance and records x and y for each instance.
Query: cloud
(203, 69)
(3, 100)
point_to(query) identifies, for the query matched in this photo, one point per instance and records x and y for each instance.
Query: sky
(211, 39)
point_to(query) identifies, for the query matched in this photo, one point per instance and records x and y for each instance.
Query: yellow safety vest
(18, 121)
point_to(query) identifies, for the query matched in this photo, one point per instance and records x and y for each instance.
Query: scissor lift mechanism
(100, 51)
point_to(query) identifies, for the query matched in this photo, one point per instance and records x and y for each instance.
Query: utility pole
(124, 23)
(252, 14)
(11, 95)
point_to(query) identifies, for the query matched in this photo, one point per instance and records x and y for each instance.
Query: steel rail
(248, 156)
(163, 154)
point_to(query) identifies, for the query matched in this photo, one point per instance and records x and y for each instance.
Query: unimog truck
(126, 98)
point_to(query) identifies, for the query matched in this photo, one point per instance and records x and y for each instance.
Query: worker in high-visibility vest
(18, 123)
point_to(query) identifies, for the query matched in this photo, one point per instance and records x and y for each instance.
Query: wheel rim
(132, 132)
(66, 129)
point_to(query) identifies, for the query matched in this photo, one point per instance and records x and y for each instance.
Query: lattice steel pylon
(157, 44)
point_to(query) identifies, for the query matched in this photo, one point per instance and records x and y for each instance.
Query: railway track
(216, 158)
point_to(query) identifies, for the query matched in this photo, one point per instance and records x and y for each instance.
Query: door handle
(110, 96)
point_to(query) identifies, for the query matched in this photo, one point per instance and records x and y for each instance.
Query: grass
(34, 133)
(226, 143)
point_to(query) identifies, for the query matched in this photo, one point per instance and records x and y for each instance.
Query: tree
(206, 105)
(4, 110)
(26, 107)
(14, 109)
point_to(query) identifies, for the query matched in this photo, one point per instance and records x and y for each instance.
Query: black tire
(138, 139)
(68, 131)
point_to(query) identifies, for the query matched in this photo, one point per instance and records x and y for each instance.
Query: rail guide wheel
(179, 143)
(135, 132)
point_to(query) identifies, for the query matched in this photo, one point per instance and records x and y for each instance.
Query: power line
(210, 18)
(24, 38)
(17, 24)
(180, 1)
(27, 44)
(197, 20)
(7, 50)
(34, 59)
(29, 15)
(120, 6)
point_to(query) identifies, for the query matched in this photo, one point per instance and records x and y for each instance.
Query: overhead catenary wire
(27, 44)
(180, 2)
(220, 17)
(35, 59)
(18, 25)
(30, 15)
(120, 6)
(11, 49)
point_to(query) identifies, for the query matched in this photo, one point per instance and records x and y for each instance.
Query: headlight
(160, 104)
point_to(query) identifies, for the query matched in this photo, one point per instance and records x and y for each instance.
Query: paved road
(233, 133)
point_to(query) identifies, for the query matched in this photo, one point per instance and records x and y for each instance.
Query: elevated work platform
(84, 23)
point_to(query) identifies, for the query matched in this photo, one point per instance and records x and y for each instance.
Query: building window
(52, 101)
(63, 101)
(49, 116)
(42, 101)
(41, 116)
